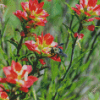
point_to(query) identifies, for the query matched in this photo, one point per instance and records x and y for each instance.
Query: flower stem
(72, 54)
(19, 47)
(68, 33)
(91, 49)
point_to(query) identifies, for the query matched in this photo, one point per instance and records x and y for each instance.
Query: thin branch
(19, 47)
(91, 49)
(72, 54)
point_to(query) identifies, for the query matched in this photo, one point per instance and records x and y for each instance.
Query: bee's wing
(61, 44)
(63, 54)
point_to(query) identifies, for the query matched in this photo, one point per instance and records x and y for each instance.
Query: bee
(57, 50)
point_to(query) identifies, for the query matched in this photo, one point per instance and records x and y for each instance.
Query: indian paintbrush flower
(88, 9)
(43, 45)
(16, 74)
(33, 15)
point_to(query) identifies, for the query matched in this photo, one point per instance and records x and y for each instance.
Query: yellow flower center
(42, 46)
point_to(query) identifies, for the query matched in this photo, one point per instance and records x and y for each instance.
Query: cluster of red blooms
(3, 94)
(18, 75)
(42, 45)
(88, 10)
(32, 14)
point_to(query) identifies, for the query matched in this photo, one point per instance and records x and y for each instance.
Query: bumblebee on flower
(43, 45)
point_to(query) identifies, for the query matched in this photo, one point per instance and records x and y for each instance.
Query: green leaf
(85, 66)
(91, 96)
(68, 6)
(97, 96)
(69, 30)
(13, 42)
(5, 23)
(34, 94)
(40, 98)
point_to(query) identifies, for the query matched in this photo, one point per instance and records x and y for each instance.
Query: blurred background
(83, 79)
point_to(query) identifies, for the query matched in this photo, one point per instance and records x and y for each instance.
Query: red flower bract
(16, 74)
(91, 27)
(88, 7)
(21, 15)
(56, 58)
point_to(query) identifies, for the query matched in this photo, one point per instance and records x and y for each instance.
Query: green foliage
(82, 72)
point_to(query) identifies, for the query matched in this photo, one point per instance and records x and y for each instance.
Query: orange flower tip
(91, 27)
